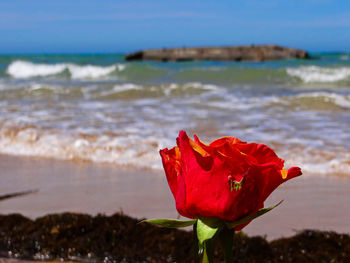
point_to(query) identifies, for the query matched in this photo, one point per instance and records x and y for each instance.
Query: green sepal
(250, 217)
(170, 223)
(207, 228)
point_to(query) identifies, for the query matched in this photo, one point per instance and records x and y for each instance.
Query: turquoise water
(102, 109)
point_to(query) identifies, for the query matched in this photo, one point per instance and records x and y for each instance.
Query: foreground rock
(232, 53)
(120, 238)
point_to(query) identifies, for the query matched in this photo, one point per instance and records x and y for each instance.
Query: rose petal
(227, 179)
(275, 177)
(171, 163)
(261, 153)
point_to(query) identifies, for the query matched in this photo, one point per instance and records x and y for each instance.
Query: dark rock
(231, 53)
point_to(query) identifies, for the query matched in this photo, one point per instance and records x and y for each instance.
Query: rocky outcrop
(231, 53)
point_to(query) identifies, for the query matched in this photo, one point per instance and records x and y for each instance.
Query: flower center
(234, 184)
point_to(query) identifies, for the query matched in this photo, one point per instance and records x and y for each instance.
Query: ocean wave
(140, 151)
(135, 91)
(131, 150)
(89, 71)
(328, 97)
(24, 69)
(315, 161)
(174, 89)
(316, 74)
(344, 57)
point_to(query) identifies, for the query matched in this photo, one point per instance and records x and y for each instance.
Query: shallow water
(100, 108)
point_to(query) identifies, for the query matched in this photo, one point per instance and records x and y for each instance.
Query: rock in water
(231, 53)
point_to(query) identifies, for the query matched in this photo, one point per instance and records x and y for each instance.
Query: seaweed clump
(119, 238)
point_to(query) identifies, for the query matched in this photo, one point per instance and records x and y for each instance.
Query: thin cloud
(9, 17)
(338, 20)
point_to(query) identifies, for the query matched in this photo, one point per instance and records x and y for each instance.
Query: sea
(99, 108)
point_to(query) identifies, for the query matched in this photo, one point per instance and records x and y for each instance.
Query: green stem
(196, 251)
(226, 240)
(205, 258)
(208, 253)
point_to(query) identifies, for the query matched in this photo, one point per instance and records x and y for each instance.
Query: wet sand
(310, 201)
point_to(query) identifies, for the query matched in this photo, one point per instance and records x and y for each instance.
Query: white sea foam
(319, 165)
(140, 151)
(120, 88)
(198, 85)
(129, 150)
(126, 87)
(233, 102)
(89, 71)
(169, 89)
(338, 99)
(121, 67)
(53, 88)
(24, 69)
(309, 74)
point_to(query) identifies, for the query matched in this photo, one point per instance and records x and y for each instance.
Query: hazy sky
(46, 26)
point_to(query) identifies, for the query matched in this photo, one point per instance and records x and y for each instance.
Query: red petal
(274, 178)
(261, 153)
(193, 149)
(206, 190)
(293, 172)
(172, 166)
(223, 140)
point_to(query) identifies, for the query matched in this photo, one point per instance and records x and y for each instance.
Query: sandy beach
(310, 201)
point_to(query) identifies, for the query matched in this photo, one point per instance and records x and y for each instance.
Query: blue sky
(80, 26)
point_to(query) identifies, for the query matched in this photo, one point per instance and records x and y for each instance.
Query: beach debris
(17, 194)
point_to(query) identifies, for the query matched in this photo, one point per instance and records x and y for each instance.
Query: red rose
(227, 179)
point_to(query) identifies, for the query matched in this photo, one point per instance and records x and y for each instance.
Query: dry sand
(310, 201)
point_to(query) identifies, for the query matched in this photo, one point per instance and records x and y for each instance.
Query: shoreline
(310, 201)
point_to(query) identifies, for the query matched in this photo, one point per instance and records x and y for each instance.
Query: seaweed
(120, 238)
